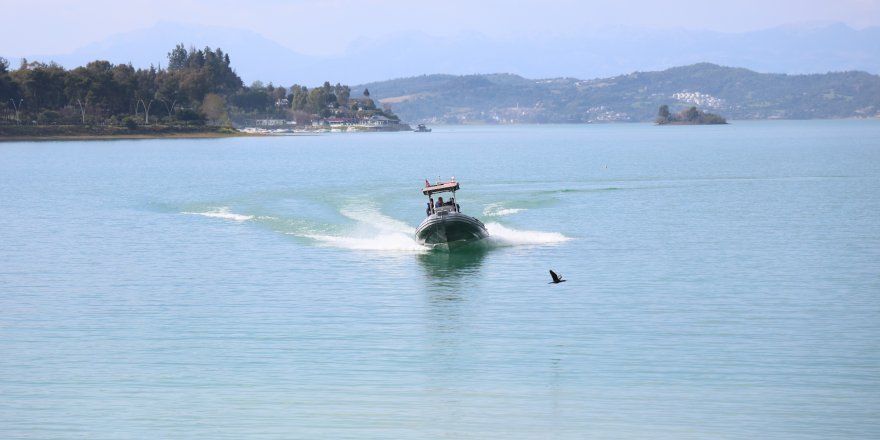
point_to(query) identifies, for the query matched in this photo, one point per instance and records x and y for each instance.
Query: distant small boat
(446, 228)
(422, 129)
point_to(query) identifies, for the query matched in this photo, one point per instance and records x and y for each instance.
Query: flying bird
(556, 278)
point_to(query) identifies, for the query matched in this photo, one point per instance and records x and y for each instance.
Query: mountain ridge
(733, 92)
(793, 50)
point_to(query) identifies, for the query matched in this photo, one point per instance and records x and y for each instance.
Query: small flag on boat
(427, 183)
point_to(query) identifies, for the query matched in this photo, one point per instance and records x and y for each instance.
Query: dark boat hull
(450, 230)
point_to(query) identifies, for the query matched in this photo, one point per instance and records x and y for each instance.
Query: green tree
(367, 104)
(194, 85)
(279, 93)
(196, 59)
(214, 108)
(315, 101)
(49, 117)
(129, 123)
(219, 73)
(663, 114)
(41, 85)
(124, 91)
(343, 93)
(177, 58)
(300, 98)
(93, 84)
(251, 100)
(168, 91)
(77, 89)
(189, 116)
(8, 88)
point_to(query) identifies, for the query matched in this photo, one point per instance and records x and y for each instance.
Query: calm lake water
(723, 283)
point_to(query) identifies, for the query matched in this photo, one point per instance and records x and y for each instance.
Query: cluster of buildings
(334, 124)
(605, 114)
(699, 99)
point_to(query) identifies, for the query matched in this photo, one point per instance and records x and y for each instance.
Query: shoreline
(133, 136)
(78, 133)
(73, 133)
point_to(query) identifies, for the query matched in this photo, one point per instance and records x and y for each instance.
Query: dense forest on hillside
(732, 92)
(199, 86)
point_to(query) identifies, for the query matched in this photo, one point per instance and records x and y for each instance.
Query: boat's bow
(446, 227)
(450, 230)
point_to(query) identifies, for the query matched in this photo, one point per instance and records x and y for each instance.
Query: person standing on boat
(439, 202)
(430, 206)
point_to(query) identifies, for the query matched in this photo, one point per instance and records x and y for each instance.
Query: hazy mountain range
(735, 93)
(792, 50)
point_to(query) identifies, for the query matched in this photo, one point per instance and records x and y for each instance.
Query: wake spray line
(375, 231)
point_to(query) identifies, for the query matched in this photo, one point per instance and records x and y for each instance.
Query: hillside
(734, 93)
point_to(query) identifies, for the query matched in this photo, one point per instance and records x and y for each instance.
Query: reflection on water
(452, 279)
(450, 276)
(462, 263)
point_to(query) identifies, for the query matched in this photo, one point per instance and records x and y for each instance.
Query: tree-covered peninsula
(197, 93)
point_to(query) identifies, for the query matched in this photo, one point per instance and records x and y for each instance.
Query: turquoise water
(723, 282)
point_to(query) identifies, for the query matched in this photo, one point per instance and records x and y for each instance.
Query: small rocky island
(690, 116)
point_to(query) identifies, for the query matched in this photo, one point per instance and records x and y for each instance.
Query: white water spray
(498, 210)
(222, 213)
(500, 235)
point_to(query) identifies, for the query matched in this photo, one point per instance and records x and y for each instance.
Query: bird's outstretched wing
(556, 278)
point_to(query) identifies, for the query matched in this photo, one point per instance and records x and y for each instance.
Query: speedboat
(446, 228)
(421, 128)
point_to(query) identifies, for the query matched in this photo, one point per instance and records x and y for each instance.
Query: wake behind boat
(446, 227)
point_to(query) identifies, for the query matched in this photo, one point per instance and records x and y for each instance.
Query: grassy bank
(96, 132)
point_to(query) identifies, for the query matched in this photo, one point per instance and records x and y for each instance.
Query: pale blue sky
(327, 27)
